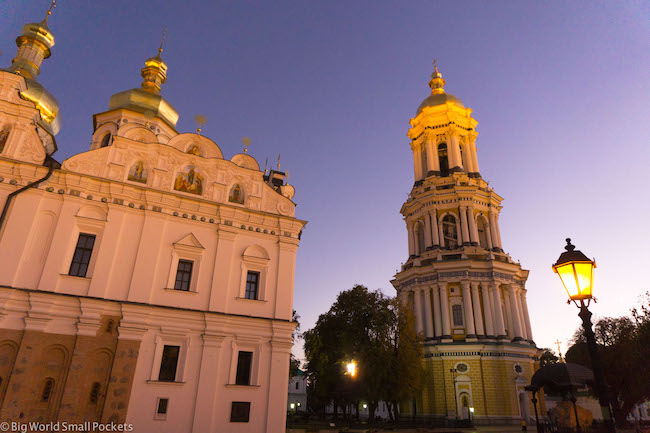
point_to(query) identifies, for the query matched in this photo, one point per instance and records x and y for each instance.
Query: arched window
(443, 159)
(425, 165)
(4, 136)
(106, 140)
(419, 239)
(449, 231)
(48, 386)
(457, 314)
(94, 393)
(482, 228)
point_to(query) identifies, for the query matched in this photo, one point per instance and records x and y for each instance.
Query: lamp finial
(569, 246)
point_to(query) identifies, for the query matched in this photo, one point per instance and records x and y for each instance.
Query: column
(417, 303)
(498, 231)
(496, 298)
(417, 161)
(473, 231)
(487, 309)
(507, 309)
(524, 306)
(454, 151)
(520, 311)
(433, 165)
(493, 230)
(427, 232)
(467, 158)
(514, 313)
(409, 229)
(463, 224)
(488, 235)
(436, 311)
(476, 303)
(444, 306)
(469, 311)
(428, 317)
(472, 146)
(434, 228)
(459, 231)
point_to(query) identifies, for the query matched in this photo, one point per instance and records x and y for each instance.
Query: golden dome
(438, 95)
(141, 101)
(45, 103)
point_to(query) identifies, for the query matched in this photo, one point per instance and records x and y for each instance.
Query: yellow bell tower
(468, 295)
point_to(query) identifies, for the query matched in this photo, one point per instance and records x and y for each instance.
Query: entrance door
(464, 406)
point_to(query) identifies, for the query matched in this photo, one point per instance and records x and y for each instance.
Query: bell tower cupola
(443, 135)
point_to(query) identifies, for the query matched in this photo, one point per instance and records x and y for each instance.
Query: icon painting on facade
(138, 173)
(194, 150)
(191, 182)
(236, 194)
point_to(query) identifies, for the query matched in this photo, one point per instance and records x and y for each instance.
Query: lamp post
(453, 372)
(576, 272)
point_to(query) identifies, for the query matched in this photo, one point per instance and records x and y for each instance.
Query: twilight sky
(561, 92)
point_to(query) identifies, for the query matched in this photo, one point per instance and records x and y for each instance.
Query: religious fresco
(4, 135)
(194, 150)
(189, 182)
(138, 173)
(236, 194)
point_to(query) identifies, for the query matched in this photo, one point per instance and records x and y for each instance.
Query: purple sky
(561, 92)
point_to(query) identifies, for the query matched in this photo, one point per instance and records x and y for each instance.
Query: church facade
(148, 280)
(468, 295)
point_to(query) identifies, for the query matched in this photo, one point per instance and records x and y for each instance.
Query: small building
(297, 400)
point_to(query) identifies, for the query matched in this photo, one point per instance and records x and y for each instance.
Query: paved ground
(478, 429)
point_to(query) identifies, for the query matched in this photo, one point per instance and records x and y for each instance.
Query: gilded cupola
(34, 45)
(147, 98)
(438, 95)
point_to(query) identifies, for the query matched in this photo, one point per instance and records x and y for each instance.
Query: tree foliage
(377, 334)
(624, 348)
(547, 357)
(294, 363)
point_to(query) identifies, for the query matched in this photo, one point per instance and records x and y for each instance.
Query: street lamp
(453, 372)
(576, 272)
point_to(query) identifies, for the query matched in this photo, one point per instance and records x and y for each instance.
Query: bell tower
(467, 294)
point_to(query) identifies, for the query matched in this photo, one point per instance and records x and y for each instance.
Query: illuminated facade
(468, 295)
(148, 280)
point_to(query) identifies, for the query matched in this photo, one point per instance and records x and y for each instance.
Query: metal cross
(163, 40)
(52, 6)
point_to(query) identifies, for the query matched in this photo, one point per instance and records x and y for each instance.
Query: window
(449, 231)
(457, 313)
(94, 393)
(169, 363)
(252, 284)
(240, 411)
(82, 253)
(443, 159)
(183, 275)
(47, 390)
(244, 364)
(297, 385)
(106, 140)
(162, 406)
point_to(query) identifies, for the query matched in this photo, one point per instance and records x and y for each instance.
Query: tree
(374, 331)
(547, 357)
(294, 363)
(624, 350)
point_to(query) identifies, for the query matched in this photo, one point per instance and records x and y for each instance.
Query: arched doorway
(463, 402)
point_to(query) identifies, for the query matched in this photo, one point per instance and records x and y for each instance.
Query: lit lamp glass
(352, 368)
(293, 406)
(471, 409)
(576, 272)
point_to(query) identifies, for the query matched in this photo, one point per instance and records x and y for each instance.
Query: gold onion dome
(438, 95)
(147, 98)
(34, 46)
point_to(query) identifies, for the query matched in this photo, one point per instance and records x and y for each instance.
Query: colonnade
(466, 229)
(426, 158)
(490, 310)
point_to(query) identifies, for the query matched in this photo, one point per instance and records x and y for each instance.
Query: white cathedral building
(147, 280)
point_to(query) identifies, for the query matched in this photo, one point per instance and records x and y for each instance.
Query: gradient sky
(561, 92)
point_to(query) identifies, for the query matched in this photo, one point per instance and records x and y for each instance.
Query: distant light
(365, 406)
(293, 406)
(471, 409)
(352, 368)
(298, 404)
